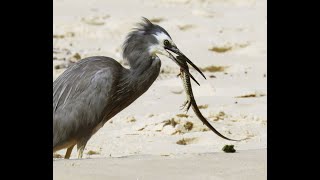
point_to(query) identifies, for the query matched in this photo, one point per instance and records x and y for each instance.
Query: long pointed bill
(178, 52)
(182, 66)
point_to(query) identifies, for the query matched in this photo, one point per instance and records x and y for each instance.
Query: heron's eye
(166, 42)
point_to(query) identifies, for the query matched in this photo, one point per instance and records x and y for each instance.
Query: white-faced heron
(93, 90)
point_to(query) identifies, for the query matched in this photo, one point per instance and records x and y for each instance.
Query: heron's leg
(80, 151)
(68, 153)
(80, 147)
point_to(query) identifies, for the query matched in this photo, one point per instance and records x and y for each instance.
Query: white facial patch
(161, 36)
(159, 48)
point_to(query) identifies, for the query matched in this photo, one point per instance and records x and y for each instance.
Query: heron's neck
(145, 72)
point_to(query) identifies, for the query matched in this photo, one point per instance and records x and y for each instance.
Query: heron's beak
(178, 52)
(183, 66)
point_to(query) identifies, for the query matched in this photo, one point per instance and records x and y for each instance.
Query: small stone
(229, 149)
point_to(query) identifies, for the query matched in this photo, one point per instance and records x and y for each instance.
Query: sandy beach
(153, 138)
(250, 164)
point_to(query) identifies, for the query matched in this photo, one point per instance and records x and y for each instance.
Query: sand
(244, 165)
(225, 38)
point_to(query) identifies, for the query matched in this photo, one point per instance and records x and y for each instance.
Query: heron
(93, 90)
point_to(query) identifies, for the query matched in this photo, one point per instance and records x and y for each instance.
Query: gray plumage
(93, 90)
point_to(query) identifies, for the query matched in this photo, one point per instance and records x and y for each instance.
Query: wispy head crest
(139, 39)
(145, 26)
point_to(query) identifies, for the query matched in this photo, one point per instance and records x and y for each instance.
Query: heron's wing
(84, 82)
(81, 95)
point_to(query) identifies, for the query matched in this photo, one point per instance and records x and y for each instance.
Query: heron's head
(151, 39)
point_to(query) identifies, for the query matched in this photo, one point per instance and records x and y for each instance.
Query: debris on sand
(220, 116)
(157, 20)
(171, 122)
(131, 119)
(255, 94)
(186, 141)
(228, 149)
(220, 49)
(205, 106)
(228, 47)
(188, 126)
(182, 115)
(214, 69)
(57, 156)
(182, 142)
(92, 152)
(95, 20)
